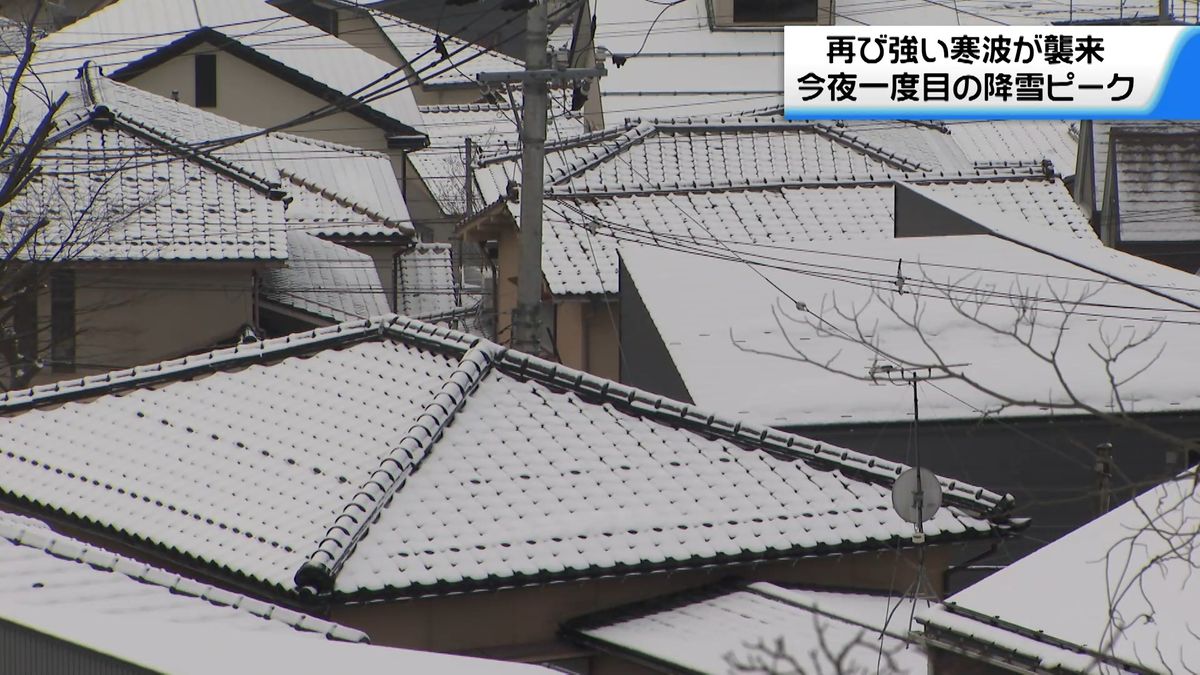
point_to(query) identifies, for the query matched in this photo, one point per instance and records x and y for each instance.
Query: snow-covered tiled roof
(128, 178)
(580, 236)
(144, 616)
(708, 630)
(360, 180)
(1123, 595)
(1014, 142)
(40, 567)
(116, 193)
(735, 344)
(326, 280)
(427, 289)
(492, 129)
(129, 34)
(270, 461)
(415, 44)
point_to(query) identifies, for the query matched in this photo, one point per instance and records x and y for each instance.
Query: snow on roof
(44, 569)
(415, 44)
(326, 280)
(269, 462)
(1122, 599)
(579, 248)
(735, 344)
(118, 193)
(660, 157)
(360, 180)
(146, 616)
(704, 630)
(201, 649)
(130, 34)
(427, 289)
(1014, 142)
(492, 129)
(124, 181)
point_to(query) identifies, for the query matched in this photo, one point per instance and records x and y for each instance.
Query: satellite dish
(905, 491)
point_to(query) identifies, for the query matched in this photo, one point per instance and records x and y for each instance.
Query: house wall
(29, 652)
(273, 100)
(523, 623)
(645, 361)
(360, 30)
(586, 335)
(507, 264)
(134, 315)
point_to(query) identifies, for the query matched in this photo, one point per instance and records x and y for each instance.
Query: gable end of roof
(256, 58)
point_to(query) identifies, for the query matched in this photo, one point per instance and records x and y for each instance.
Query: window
(774, 11)
(732, 13)
(206, 80)
(62, 321)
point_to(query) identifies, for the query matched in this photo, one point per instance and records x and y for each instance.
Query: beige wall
(360, 30)
(253, 96)
(523, 623)
(587, 331)
(588, 335)
(507, 262)
(145, 313)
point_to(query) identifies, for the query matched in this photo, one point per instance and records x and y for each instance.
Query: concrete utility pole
(1164, 12)
(527, 328)
(535, 95)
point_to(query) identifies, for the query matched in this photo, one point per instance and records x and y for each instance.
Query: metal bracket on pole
(543, 75)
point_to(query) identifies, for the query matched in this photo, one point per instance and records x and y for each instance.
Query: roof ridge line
(60, 546)
(420, 332)
(230, 169)
(567, 143)
(769, 184)
(338, 198)
(848, 138)
(319, 573)
(631, 136)
(779, 443)
(304, 140)
(1030, 634)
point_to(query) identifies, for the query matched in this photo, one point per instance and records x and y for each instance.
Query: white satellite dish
(905, 495)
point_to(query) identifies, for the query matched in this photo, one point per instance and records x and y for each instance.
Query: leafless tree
(862, 654)
(47, 218)
(1043, 319)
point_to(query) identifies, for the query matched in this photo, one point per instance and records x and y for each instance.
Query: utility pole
(1164, 12)
(527, 328)
(535, 95)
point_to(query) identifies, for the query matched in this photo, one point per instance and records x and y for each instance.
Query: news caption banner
(985, 72)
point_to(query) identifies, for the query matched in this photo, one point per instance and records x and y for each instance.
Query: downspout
(1084, 183)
